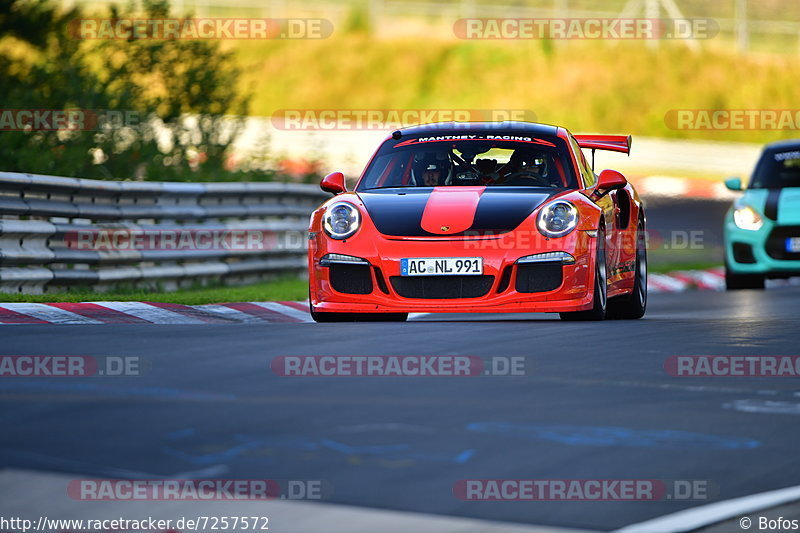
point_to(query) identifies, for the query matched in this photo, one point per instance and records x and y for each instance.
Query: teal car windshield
(777, 169)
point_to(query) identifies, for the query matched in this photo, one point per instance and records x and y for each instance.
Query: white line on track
(713, 389)
(771, 407)
(713, 513)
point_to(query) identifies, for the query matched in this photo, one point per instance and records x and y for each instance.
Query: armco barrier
(41, 215)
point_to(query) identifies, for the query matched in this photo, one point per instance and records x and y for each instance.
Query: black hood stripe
(504, 212)
(399, 214)
(771, 207)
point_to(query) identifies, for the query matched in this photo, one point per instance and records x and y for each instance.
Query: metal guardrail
(52, 229)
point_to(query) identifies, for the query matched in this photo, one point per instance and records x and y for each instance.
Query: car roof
(506, 127)
(783, 145)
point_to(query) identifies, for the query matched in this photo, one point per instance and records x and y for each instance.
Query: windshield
(471, 159)
(778, 169)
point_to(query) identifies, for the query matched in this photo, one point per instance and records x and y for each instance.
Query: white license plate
(442, 266)
(793, 244)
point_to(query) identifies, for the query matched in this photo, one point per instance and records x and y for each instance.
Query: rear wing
(613, 143)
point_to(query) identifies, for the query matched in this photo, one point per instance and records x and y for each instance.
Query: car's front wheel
(633, 306)
(600, 300)
(734, 282)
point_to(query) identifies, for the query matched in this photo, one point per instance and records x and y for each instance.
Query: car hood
(452, 211)
(779, 205)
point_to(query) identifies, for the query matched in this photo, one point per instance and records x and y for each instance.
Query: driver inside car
(526, 165)
(533, 165)
(431, 169)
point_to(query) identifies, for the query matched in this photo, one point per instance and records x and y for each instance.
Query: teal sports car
(762, 227)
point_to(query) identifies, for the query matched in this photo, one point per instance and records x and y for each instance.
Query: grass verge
(285, 289)
(614, 86)
(665, 268)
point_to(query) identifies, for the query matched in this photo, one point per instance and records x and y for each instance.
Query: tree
(158, 109)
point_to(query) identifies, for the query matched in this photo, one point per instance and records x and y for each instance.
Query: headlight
(747, 218)
(341, 220)
(329, 259)
(557, 219)
(548, 257)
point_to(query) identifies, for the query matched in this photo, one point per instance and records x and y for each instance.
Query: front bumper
(497, 290)
(759, 252)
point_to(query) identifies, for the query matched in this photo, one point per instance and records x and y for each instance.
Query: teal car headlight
(557, 219)
(746, 217)
(341, 220)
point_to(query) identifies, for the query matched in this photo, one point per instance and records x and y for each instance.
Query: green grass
(665, 268)
(670, 257)
(587, 86)
(286, 289)
(622, 87)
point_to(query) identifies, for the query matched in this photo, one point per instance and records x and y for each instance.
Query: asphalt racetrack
(595, 403)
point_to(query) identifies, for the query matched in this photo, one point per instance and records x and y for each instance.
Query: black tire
(735, 282)
(600, 300)
(633, 306)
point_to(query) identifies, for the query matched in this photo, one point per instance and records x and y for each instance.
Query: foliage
(156, 109)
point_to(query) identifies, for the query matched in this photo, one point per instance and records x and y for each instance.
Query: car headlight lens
(341, 220)
(557, 219)
(747, 218)
(548, 257)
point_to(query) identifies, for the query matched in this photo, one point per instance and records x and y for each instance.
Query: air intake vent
(442, 287)
(538, 277)
(351, 279)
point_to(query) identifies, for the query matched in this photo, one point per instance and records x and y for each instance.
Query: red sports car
(480, 217)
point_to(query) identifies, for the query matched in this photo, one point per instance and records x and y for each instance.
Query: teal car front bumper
(759, 251)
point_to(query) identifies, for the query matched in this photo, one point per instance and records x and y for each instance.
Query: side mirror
(609, 180)
(734, 183)
(333, 183)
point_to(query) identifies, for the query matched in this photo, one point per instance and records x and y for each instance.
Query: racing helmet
(532, 162)
(438, 161)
